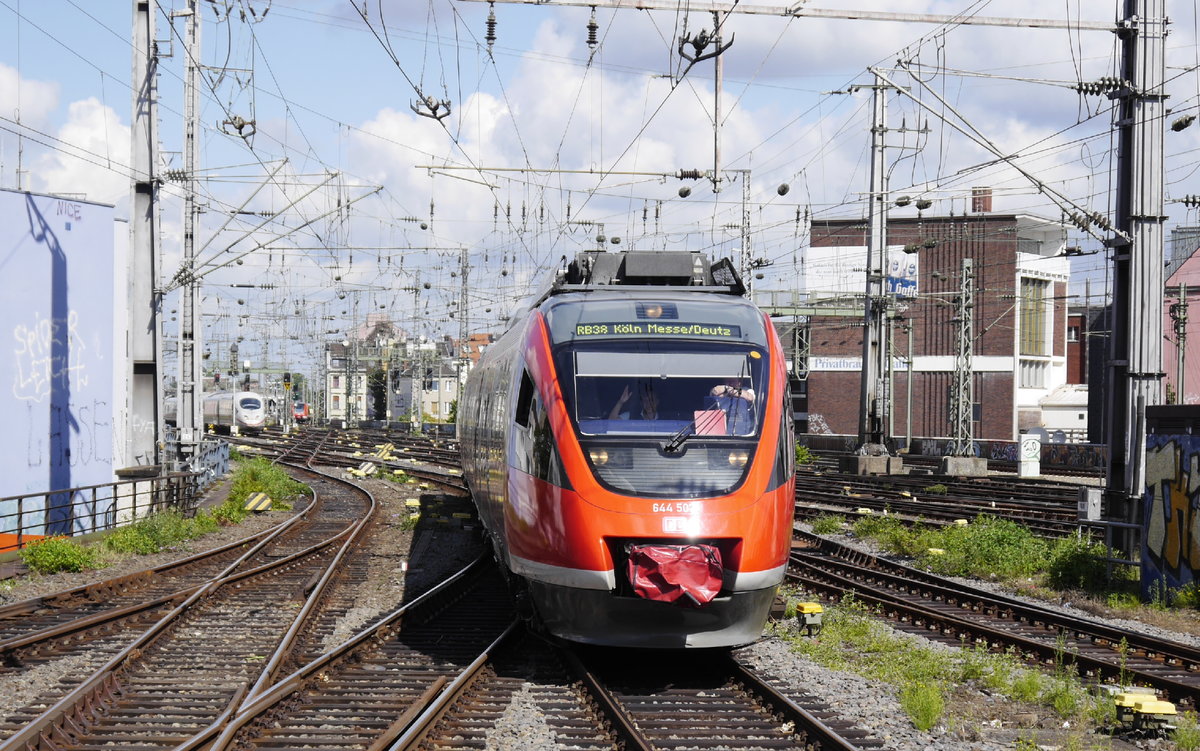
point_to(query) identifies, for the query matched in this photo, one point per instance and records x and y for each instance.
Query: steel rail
(221, 734)
(424, 723)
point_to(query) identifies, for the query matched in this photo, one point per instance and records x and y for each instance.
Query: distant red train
(300, 412)
(630, 447)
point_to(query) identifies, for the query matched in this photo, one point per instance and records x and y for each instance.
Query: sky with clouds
(550, 142)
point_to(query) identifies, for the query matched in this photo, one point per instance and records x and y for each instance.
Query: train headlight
(599, 457)
(738, 458)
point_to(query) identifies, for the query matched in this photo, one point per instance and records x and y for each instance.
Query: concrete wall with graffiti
(57, 403)
(1171, 508)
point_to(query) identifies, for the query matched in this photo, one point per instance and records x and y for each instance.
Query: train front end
(650, 487)
(250, 412)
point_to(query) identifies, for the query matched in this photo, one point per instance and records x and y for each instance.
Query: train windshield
(248, 402)
(662, 388)
(631, 400)
(667, 395)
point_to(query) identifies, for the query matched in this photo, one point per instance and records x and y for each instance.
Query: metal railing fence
(94, 508)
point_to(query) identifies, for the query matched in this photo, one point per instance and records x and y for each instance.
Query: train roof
(629, 271)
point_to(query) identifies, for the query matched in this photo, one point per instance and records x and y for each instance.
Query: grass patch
(159, 531)
(924, 703)
(258, 475)
(853, 640)
(988, 547)
(398, 476)
(1078, 563)
(827, 524)
(804, 455)
(229, 513)
(410, 522)
(937, 489)
(1186, 735)
(55, 554)
(895, 536)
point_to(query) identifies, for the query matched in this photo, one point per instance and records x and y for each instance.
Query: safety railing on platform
(94, 508)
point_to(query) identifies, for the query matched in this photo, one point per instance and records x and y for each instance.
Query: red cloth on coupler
(688, 575)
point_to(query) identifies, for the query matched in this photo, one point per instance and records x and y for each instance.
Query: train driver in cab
(736, 400)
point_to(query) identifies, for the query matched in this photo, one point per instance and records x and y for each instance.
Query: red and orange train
(629, 443)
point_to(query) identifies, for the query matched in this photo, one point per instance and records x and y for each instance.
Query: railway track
(601, 699)
(414, 455)
(202, 657)
(710, 701)
(366, 692)
(957, 614)
(1049, 509)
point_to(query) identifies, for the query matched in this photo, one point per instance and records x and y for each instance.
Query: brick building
(1018, 328)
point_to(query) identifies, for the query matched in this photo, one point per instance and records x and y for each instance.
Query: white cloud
(93, 158)
(34, 100)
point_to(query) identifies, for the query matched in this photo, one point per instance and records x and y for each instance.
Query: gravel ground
(522, 726)
(436, 549)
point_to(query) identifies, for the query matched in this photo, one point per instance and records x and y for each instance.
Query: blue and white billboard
(56, 319)
(841, 271)
(901, 273)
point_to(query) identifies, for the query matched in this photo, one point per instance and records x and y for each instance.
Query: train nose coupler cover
(688, 575)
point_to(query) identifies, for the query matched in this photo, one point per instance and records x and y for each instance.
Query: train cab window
(250, 403)
(662, 393)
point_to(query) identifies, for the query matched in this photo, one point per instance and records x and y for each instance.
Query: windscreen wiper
(687, 431)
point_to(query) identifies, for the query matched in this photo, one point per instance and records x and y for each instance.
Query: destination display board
(656, 328)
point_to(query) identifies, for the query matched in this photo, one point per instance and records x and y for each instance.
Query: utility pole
(1179, 317)
(145, 429)
(190, 380)
(1135, 347)
(415, 358)
(349, 380)
(874, 397)
(962, 398)
(746, 269)
(908, 430)
(718, 76)
(464, 331)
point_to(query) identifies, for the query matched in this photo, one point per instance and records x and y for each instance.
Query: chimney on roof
(981, 200)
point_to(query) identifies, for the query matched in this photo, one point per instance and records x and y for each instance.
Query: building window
(449, 385)
(1033, 374)
(1033, 316)
(1072, 333)
(337, 383)
(336, 402)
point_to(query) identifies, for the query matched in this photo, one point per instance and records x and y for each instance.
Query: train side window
(545, 464)
(524, 400)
